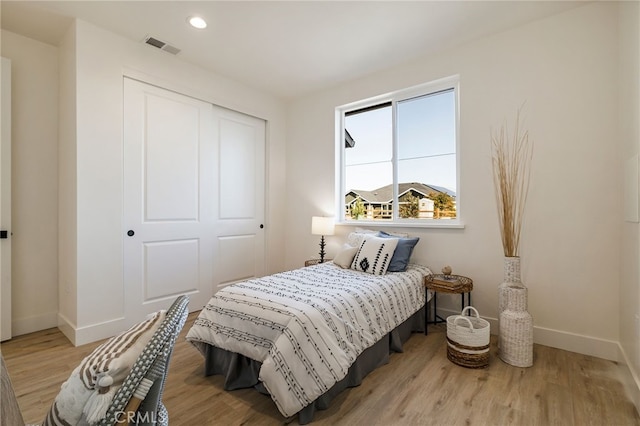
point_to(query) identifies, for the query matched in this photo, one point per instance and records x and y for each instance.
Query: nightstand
(451, 284)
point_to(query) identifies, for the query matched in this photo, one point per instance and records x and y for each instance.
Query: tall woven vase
(511, 277)
(515, 342)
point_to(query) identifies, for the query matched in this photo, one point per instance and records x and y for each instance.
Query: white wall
(98, 149)
(565, 68)
(630, 140)
(67, 194)
(34, 182)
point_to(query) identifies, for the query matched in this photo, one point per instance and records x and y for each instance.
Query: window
(398, 161)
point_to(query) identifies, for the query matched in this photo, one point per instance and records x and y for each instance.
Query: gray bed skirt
(242, 372)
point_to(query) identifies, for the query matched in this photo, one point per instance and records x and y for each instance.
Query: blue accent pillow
(402, 254)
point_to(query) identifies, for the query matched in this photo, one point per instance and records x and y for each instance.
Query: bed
(302, 336)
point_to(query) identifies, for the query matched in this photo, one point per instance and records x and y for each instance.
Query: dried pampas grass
(511, 160)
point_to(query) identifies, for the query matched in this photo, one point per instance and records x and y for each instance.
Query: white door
(5, 200)
(168, 207)
(174, 178)
(240, 179)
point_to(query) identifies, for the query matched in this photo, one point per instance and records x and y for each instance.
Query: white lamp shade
(322, 225)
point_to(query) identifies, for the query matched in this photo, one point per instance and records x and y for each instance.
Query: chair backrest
(145, 382)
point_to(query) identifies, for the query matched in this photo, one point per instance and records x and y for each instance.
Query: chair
(138, 401)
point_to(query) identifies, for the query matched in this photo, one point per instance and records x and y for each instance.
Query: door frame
(5, 200)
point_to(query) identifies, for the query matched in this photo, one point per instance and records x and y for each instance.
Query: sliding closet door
(193, 198)
(169, 200)
(240, 180)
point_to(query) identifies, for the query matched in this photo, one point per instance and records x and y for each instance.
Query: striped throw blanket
(307, 326)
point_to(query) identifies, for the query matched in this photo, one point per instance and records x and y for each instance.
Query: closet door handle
(261, 226)
(130, 233)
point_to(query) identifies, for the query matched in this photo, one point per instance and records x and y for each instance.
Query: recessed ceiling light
(197, 22)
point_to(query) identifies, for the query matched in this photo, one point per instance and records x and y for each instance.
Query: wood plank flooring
(417, 387)
(9, 409)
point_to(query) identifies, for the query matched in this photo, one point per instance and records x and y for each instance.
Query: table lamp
(322, 226)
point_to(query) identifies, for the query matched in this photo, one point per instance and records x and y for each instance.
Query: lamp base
(322, 252)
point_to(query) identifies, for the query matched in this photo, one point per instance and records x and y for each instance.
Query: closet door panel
(241, 187)
(168, 217)
(171, 160)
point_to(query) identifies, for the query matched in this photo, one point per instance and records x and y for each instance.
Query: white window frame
(447, 83)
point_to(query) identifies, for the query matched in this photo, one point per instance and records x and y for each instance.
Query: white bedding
(307, 326)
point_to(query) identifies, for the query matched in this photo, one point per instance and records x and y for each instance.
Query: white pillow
(365, 231)
(354, 239)
(374, 255)
(345, 256)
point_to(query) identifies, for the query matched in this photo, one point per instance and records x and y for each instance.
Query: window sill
(437, 224)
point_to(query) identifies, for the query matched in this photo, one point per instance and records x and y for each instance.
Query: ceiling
(287, 48)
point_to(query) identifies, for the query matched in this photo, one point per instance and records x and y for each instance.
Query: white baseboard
(579, 343)
(33, 323)
(629, 377)
(91, 333)
(67, 327)
(582, 344)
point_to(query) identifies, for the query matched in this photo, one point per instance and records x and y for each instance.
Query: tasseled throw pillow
(85, 397)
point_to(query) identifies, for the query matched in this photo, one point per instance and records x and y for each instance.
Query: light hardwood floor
(417, 387)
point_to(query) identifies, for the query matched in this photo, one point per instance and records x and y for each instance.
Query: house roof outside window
(384, 195)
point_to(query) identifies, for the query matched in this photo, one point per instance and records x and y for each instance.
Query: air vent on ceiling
(152, 41)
